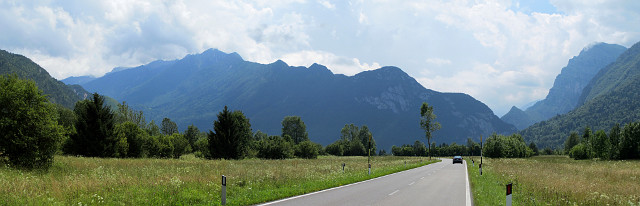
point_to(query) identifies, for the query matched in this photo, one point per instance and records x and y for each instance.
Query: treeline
(32, 130)
(420, 149)
(496, 146)
(95, 130)
(619, 144)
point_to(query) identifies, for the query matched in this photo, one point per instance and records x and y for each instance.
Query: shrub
(275, 147)
(579, 152)
(180, 145)
(134, 136)
(307, 150)
(201, 148)
(335, 148)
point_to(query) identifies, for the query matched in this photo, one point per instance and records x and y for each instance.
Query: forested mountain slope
(611, 97)
(565, 94)
(56, 91)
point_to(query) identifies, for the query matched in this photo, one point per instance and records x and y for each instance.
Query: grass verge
(556, 180)
(186, 181)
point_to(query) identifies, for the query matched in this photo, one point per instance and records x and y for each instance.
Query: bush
(355, 148)
(335, 148)
(180, 145)
(134, 137)
(307, 150)
(30, 134)
(513, 146)
(579, 152)
(201, 148)
(275, 147)
(165, 146)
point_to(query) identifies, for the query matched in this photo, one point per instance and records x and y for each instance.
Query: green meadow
(186, 181)
(556, 180)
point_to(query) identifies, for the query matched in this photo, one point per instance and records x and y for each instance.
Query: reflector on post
(509, 194)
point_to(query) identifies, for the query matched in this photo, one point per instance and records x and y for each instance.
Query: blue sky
(501, 52)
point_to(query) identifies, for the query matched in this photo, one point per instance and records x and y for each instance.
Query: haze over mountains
(194, 89)
(564, 96)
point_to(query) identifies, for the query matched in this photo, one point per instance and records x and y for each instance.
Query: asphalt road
(440, 183)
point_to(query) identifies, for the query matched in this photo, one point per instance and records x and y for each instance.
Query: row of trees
(97, 131)
(620, 143)
(232, 138)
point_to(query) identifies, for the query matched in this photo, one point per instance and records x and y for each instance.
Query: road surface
(441, 183)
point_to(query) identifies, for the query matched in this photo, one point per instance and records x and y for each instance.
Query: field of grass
(556, 180)
(185, 181)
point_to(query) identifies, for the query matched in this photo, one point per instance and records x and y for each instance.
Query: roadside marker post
(369, 168)
(224, 190)
(343, 164)
(509, 186)
(481, 155)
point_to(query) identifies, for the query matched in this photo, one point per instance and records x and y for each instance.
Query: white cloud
(327, 4)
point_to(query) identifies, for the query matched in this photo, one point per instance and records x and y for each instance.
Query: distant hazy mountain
(77, 80)
(567, 88)
(57, 91)
(610, 97)
(194, 89)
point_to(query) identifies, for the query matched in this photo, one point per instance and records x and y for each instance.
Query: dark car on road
(457, 159)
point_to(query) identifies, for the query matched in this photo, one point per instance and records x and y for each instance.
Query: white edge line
(333, 188)
(394, 192)
(468, 196)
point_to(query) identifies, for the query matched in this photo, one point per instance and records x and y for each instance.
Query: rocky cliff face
(568, 85)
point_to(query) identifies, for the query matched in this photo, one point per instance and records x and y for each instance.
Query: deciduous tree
(29, 131)
(428, 123)
(295, 128)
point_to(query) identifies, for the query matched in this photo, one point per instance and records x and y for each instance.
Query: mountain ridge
(615, 102)
(195, 88)
(568, 85)
(56, 91)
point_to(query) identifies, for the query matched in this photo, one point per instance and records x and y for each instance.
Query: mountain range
(568, 86)
(610, 97)
(194, 89)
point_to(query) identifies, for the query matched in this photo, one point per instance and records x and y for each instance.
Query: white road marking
(394, 192)
(412, 183)
(333, 188)
(468, 195)
(422, 178)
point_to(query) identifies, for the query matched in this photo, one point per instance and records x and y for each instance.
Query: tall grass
(185, 181)
(557, 180)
